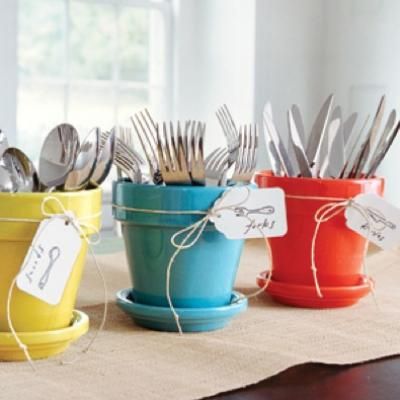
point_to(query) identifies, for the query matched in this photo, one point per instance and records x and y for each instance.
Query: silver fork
(122, 147)
(126, 159)
(230, 131)
(130, 168)
(216, 165)
(247, 158)
(171, 156)
(146, 131)
(195, 153)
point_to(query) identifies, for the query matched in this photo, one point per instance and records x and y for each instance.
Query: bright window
(89, 62)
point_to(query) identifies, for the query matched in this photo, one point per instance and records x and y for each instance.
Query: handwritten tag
(245, 213)
(49, 261)
(383, 224)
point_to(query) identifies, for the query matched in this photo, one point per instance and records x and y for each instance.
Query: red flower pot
(339, 252)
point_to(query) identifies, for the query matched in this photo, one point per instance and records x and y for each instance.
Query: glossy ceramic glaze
(28, 313)
(306, 295)
(203, 275)
(191, 319)
(339, 251)
(44, 344)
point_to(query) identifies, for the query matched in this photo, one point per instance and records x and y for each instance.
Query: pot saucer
(306, 296)
(191, 319)
(45, 343)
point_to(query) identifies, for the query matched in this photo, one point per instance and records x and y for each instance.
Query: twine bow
(324, 214)
(79, 225)
(196, 229)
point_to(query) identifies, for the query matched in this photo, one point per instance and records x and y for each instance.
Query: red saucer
(306, 296)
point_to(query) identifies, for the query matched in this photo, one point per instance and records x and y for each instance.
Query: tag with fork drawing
(246, 213)
(50, 259)
(375, 219)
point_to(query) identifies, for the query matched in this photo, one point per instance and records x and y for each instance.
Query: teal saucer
(191, 319)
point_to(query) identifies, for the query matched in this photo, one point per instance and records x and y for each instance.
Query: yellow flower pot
(29, 314)
(43, 344)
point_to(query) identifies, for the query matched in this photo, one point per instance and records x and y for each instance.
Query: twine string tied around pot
(193, 234)
(324, 214)
(80, 226)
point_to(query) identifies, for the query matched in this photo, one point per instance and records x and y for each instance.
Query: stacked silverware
(334, 148)
(65, 164)
(174, 152)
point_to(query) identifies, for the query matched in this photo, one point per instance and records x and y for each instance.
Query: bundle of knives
(334, 148)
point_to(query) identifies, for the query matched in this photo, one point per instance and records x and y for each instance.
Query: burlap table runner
(130, 362)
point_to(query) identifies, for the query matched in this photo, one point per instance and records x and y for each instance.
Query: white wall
(362, 62)
(214, 61)
(289, 43)
(245, 52)
(8, 71)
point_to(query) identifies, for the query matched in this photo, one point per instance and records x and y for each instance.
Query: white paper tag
(245, 213)
(384, 227)
(50, 259)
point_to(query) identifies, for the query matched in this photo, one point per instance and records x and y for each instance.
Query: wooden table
(376, 380)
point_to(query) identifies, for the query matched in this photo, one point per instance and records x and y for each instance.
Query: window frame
(9, 65)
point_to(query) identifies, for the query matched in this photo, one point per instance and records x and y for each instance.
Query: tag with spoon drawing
(50, 259)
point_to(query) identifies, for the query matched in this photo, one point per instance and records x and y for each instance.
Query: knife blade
(336, 156)
(348, 126)
(3, 142)
(298, 121)
(352, 148)
(317, 135)
(382, 142)
(333, 132)
(298, 146)
(271, 132)
(271, 150)
(364, 154)
(384, 150)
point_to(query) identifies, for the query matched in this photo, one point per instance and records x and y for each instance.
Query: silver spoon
(3, 142)
(6, 183)
(58, 155)
(21, 170)
(104, 161)
(78, 178)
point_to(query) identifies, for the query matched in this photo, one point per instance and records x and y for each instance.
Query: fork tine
(146, 136)
(249, 135)
(246, 146)
(161, 155)
(121, 147)
(239, 160)
(147, 155)
(224, 125)
(211, 156)
(150, 124)
(201, 140)
(230, 118)
(229, 122)
(180, 150)
(145, 124)
(213, 160)
(218, 159)
(199, 134)
(255, 149)
(192, 151)
(187, 137)
(168, 158)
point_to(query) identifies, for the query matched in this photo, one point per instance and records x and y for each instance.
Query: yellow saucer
(43, 344)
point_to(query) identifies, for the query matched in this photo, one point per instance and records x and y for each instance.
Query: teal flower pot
(201, 276)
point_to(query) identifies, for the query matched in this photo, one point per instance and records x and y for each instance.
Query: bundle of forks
(173, 153)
